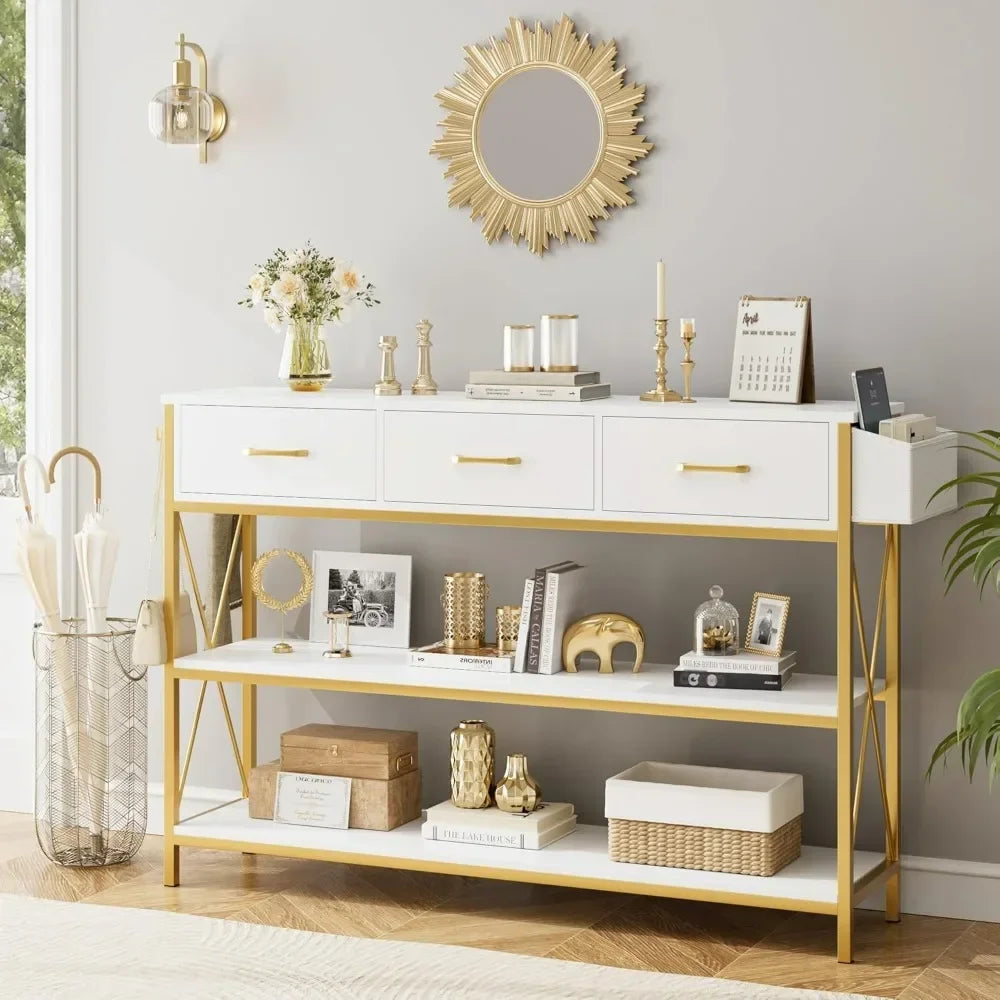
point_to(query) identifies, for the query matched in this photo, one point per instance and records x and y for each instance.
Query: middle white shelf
(807, 700)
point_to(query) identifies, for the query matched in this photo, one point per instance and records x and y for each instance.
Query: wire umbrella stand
(90, 744)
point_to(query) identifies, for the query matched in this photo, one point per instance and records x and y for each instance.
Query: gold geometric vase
(472, 743)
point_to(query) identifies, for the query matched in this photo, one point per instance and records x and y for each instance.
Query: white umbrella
(36, 558)
(96, 552)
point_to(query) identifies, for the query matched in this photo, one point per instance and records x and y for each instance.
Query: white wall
(845, 150)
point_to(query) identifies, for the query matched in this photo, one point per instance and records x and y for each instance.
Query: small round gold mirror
(540, 134)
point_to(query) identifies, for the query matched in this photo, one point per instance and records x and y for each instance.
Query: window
(12, 242)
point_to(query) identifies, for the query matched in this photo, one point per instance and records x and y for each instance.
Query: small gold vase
(472, 743)
(518, 792)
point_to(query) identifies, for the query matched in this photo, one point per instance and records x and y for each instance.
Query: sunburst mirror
(540, 134)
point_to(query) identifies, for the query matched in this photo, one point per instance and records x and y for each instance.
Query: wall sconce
(184, 114)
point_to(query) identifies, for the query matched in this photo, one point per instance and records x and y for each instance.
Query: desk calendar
(773, 355)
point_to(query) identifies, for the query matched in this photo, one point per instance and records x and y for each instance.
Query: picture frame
(375, 588)
(767, 623)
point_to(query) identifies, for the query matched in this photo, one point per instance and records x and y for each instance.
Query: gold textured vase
(463, 606)
(472, 743)
(518, 792)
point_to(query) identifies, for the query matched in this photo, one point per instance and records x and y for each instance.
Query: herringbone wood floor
(921, 958)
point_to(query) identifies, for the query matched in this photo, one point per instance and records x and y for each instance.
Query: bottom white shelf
(579, 859)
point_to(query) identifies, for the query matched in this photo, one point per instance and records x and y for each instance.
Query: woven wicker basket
(737, 852)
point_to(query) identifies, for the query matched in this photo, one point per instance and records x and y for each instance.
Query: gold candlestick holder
(424, 384)
(687, 365)
(661, 394)
(388, 384)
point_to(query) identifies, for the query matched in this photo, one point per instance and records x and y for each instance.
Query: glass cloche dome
(716, 626)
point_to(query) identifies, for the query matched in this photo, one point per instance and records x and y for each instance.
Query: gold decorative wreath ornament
(603, 186)
(276, 603)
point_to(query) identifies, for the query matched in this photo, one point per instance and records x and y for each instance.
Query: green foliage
(975, 548)
(12, 238)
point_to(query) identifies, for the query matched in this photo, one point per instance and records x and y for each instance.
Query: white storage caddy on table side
(708, 818)
(788, 474)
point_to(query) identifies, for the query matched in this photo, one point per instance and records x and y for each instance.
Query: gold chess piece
(424, 384)
(388, 384)
(661, 394)
(687, 365)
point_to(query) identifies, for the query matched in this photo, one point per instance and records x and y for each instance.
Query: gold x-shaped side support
(869, 664)
(211, 639)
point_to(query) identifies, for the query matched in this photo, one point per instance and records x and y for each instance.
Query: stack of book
(486, 659)
(551, 602)
(739, 671)
(550, 822)
(560, 387)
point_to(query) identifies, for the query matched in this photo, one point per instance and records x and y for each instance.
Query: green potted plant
(975, 548)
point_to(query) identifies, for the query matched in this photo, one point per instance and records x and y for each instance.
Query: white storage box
(708, 818)
(894, 480)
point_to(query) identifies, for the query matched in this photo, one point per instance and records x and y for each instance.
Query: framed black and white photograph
(766, 629)
(373, 589)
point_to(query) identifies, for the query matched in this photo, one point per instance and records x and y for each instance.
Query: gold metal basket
(463, 605)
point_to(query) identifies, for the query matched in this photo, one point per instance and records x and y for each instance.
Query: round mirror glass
(539, 134)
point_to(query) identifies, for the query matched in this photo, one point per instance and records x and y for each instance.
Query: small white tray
(717, 797)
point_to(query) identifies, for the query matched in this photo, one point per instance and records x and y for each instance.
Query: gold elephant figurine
(600, 634)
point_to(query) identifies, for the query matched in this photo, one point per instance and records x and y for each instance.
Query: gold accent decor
(463, 604)
(485, 460)
(661, 394)
(508, 625)
(472, 749)
(572, 212)
(388, 384)
(276, 452)
(739, 470)
(284, 605)
(517, 791)
(424, 384)
(600, 634)
(687, 365)
(176, 112)
(751, 646)
(340, 635)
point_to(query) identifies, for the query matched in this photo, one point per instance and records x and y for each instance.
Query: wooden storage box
(349, 751)
(375, 804)
(707, 818)
(893, 480)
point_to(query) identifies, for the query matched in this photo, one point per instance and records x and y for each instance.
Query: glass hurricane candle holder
(519, 347)
(557, 349)
(340, 635)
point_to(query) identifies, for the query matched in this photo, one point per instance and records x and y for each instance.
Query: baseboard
(196, 800)
(939, 887)
(933, 887)
(17, 791)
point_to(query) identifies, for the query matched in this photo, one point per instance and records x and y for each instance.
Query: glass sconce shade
(182, 115)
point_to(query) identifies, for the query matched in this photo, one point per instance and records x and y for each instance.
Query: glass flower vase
(305, 359)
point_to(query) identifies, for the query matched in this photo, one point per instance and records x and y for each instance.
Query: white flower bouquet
(299, 291)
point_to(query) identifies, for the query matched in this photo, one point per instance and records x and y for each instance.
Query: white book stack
(492, 827)
(738, 671)
(565, 387)
(551, 601)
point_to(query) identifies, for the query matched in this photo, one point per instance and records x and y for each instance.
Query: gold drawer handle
(740, 470)
(485, 460)
(276, 452)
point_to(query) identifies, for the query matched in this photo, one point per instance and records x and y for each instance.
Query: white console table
(732, 470)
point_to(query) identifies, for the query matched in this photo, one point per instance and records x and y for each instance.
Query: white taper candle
(661, 290)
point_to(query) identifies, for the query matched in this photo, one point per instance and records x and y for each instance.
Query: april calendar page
(772, 339)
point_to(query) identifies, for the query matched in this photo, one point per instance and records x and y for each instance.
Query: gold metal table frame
(852, 755)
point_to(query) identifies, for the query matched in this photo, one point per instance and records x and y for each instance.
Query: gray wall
(842, 149)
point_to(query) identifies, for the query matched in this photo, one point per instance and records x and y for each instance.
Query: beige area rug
(64, 950)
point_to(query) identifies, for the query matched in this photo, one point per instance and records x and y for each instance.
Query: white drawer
(338, 461)
(551, 459)
(784, 468)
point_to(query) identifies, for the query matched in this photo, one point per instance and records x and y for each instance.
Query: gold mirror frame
(616, 102)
